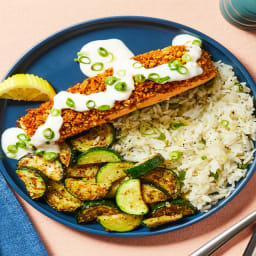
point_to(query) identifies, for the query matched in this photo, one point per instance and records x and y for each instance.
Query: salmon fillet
(144, 94)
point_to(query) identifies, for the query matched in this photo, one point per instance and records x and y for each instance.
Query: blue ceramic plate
(53, 59)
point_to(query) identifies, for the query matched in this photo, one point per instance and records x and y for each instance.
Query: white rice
(201, 110)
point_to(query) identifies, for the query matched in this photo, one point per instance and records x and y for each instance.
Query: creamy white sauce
(124, 70)
(9, 137)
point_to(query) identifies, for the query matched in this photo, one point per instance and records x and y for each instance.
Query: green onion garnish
(50, 156)
(175, 126)
(48, 133)
(23, 137)
(90, 104)
(182, 175)
(174, 64)
(186, 57)
(214, 175)
(55, 112)
(203, 141)
(137, 64)
(70, 103)
(21, 144)
(147, 130)
(112, 57)
(82, 53)
(224, 123)
(244, 166)
(197, 42)
(103, 52)
(240, 87)
(83, 60)
(153, 77)
(175, 155)
(139, 78)
(110, 80)
(12, 148)
(39, 152)
(104, 107)
(203, 157)
(182, 70)
(121, 86)
(164, 79)
(98, 66)
(161, 136)
(121, 72)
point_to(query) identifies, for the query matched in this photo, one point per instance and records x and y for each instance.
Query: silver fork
(221, 239)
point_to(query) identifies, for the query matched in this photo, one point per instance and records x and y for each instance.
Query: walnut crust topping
(76, 122)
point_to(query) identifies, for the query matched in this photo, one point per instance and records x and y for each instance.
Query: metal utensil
(221, 239)
(251, 247)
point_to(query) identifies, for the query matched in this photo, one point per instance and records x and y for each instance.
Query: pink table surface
(25, 22)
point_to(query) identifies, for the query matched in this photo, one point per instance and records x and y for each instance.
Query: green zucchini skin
(174, 207)
(35, 182)
(100, 136)
(146, 166)
(60, 199)
(51, 169)
(98, 155)
(151, 194)
(112, 172)
(164, 179)
(90, 210)
(155, 222)
(86, 191)
(120, 222)
(87, 172)
(66, 155)
(129, 198)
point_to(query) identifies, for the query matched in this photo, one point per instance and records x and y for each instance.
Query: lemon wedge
(26, 87)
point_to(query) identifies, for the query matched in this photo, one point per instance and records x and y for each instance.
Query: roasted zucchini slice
(112, 172)
(92, 209)
(66, 154)
(51, 169)
(152, 194)
(59, 198)
(87, 172)
(34, 181)
(98, 155)
(86, 191)
(142, 168)
(129, 198)
(121, 222)
(100, 136)
(172, 208)
(114, 187)
(158, 221)
(165, 179)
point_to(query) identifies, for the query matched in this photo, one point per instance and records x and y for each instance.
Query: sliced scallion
(83, 60)
(103, 52)
(163, 80)
(12, 148)
(121, 86)
(137, 64)
(186, 57)
(161, 136)
(50, 156)
(48, 133)
(175, 155)
(203, 157)
(182, 70)
(90, 104)
(21, 144)
(214, 175)
(244, 166)
(104, 107)
(39, 152)
(197, 42)
(182, 175)
(121, 72)
(175, 126)
(112, 57)
(110, 80)
(224, 123)
(23, 137)
(139, 78)
(153, 77)
(174, 64)
(55, 112)
(70, 103)
(98, 66)
(147, 130)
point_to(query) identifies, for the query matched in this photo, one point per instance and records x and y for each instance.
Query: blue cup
(241, 13)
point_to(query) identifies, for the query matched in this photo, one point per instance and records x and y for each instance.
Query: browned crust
(145, 94)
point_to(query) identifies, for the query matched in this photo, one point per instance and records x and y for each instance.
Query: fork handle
(221, 239)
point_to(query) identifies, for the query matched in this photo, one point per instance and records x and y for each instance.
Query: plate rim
(154, 22)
